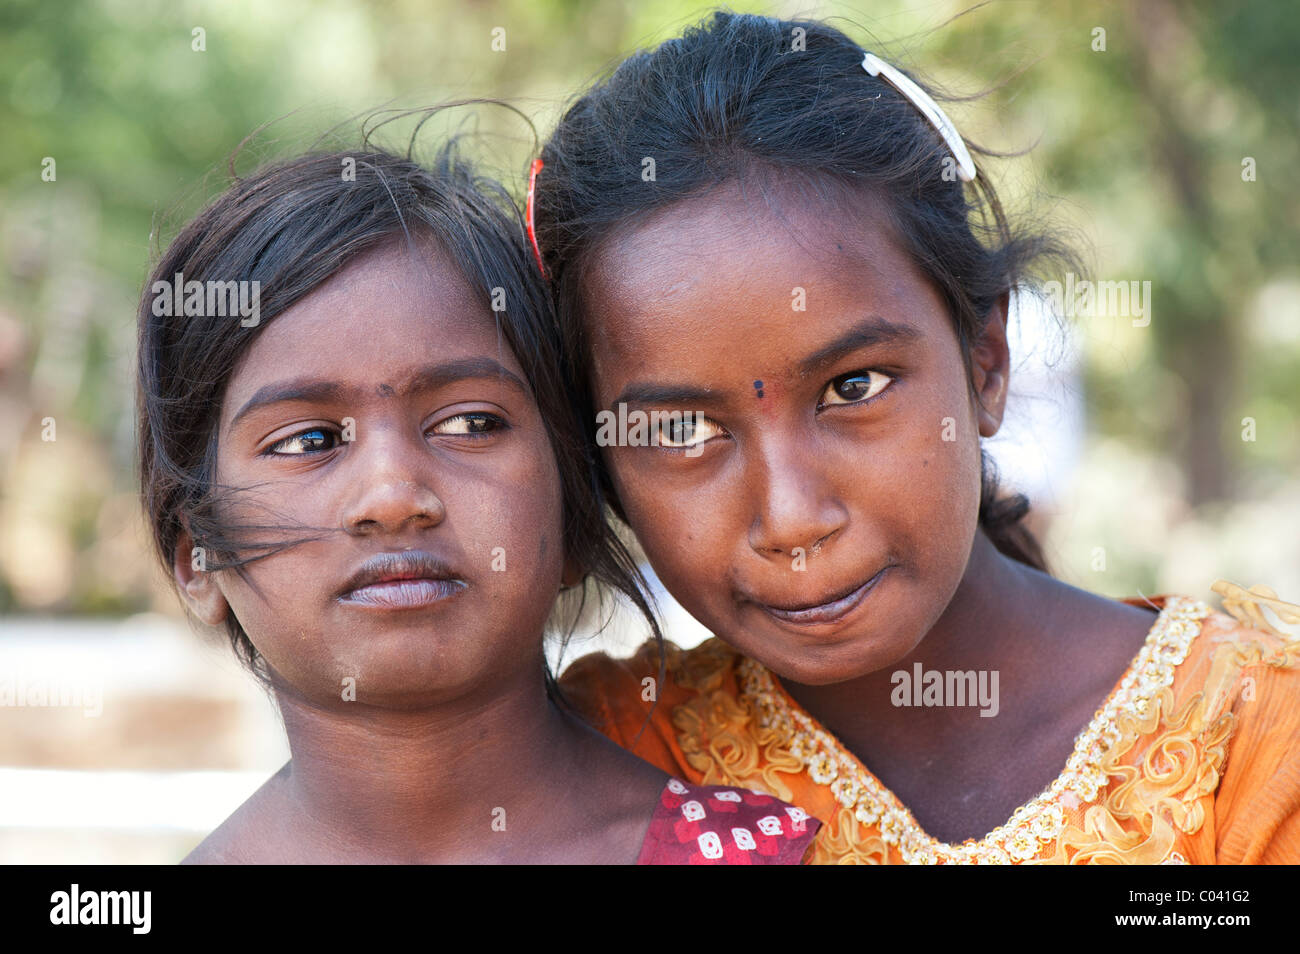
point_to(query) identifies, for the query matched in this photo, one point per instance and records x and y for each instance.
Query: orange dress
(1194, 757)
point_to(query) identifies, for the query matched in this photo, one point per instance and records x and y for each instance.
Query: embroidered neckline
(1034, 825)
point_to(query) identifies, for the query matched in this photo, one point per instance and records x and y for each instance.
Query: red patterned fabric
(719, 825)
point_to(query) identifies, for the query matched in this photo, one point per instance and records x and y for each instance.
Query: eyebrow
(665, 394)
(872, 330)
(428, 378)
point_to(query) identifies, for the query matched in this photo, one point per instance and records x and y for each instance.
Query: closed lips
(826, 610)
(408, 578)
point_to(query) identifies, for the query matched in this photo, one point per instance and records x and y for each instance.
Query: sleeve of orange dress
(626, 700)
(1257, 806)
(1253, 685)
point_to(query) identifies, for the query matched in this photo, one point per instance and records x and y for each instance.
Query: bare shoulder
(248, 836)
(1094, 640)
(1101, 623)
(615, 800)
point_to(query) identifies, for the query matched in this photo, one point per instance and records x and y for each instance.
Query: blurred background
(1159, 455)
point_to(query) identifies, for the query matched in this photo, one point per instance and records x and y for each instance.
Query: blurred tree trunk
(1197, 340)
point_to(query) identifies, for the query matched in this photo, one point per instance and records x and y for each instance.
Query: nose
(796, 505)
(391, 489)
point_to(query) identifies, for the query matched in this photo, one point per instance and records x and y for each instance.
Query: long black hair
(291, 225)
(745, 94)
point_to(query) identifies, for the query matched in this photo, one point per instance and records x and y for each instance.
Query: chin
(397, 698)
(814, 663)
(401, 672)
(819, 669)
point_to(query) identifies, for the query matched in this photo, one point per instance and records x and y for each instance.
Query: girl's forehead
(699, 267)
(790, 232)
(416, 270)
(378, 320)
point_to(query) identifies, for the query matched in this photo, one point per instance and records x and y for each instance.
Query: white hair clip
(878, 67)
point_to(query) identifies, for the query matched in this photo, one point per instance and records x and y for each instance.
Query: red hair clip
(532, 232)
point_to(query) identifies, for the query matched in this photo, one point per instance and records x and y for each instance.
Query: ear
(991, 368)
(198, 588)
(572, 574)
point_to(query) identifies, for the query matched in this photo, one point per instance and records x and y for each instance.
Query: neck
(428, 783)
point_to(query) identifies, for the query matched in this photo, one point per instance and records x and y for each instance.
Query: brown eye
(686, 430)
(306, 442)
(855, 388)
(469, 424)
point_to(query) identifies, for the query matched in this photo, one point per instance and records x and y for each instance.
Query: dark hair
(291, 226)
(735, 96)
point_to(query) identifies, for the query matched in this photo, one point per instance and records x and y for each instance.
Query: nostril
(818, 544)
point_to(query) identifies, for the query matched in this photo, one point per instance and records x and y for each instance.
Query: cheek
(277, 611)
(936, 488)
(649, 514)
(516, 523)
(286, 501)
(687, 536)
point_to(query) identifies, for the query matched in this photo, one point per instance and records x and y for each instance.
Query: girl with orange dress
(781, 244)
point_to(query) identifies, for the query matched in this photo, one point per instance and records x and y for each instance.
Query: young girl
(358, 456)
(762, 227)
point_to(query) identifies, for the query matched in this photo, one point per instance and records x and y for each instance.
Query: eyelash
(273, 452)
(498, 423)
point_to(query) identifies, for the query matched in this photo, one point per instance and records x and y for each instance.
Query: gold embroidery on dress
(1247, 606)
(756, 737)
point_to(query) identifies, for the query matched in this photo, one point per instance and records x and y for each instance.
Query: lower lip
(403, 594)
(833, 612)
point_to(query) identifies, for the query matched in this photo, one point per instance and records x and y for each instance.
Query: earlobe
(991, 366)
(196, 584)
(572, 574)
